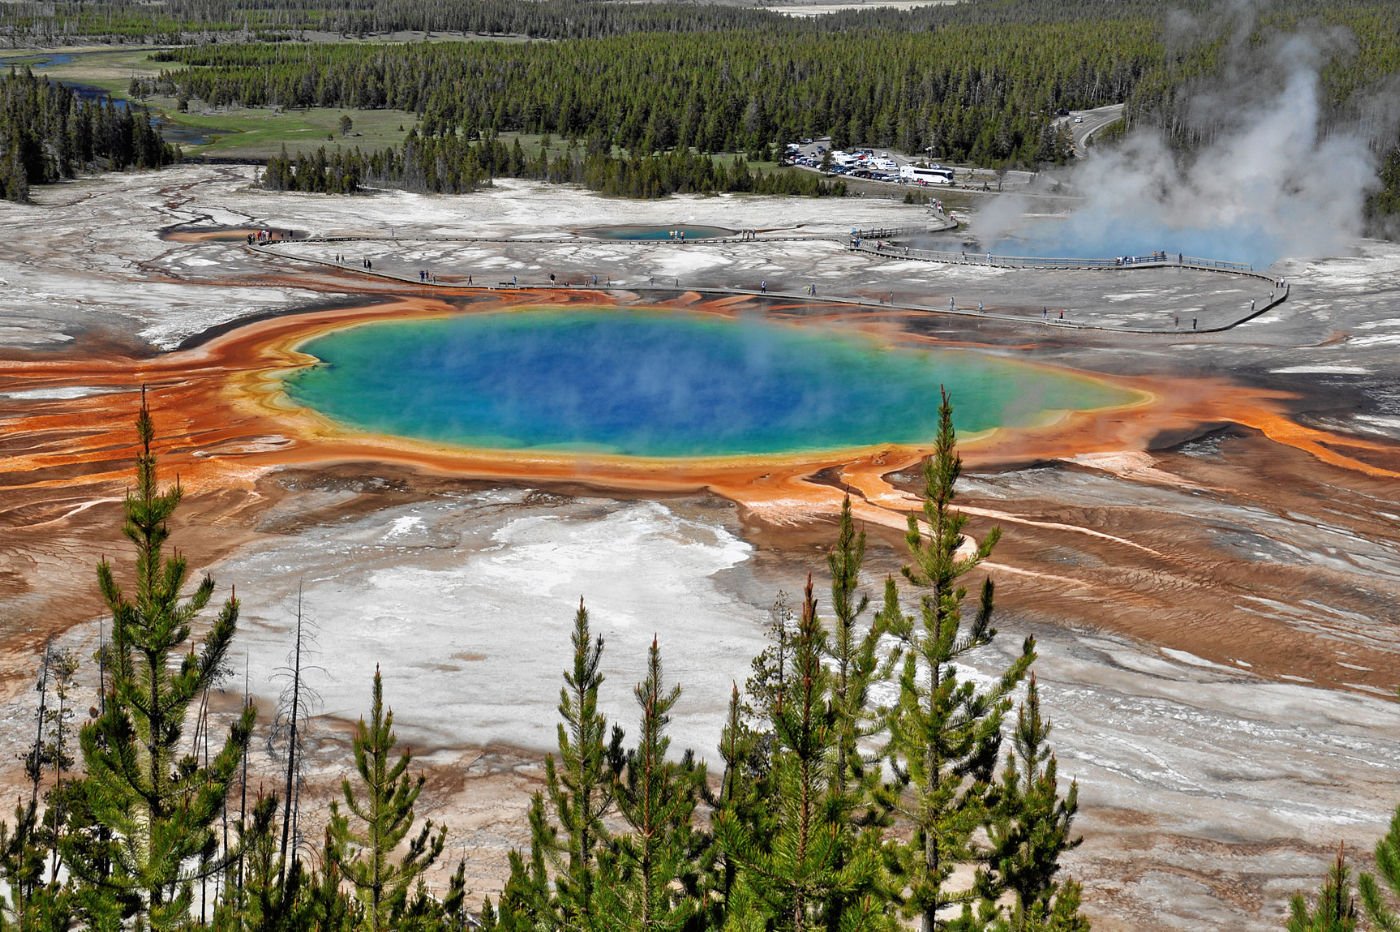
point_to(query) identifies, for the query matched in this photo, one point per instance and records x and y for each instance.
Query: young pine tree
(944, 731)
(154, 807)
(1383, 915)
(1032, 830)
(742, 798)
(556, 887)
(651, 875)
(384, 816)
(271, 897)
(30, 904)
(860, 806)
(1334, 910)
(787, 874)
(801, 868)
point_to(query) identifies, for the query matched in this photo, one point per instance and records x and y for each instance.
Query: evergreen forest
(821, 809)
(48, 133)
(978, 82)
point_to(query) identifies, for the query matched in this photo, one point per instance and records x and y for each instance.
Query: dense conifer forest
(974, 82)
(47, 133)
(985, 94)
(453, 165)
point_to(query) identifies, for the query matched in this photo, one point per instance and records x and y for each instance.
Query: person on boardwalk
(1193, 323)
(952, 304)
(763, 286)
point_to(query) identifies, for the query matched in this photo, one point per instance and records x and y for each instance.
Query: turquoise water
(653, 233)
(662, 385)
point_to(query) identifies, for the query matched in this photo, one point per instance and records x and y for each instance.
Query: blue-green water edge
(635, 232)
(663, 385)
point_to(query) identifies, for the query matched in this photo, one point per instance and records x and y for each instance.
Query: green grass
(109, 69)
(260, 133)
(237, 133)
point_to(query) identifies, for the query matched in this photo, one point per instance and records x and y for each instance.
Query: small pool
(634, 232)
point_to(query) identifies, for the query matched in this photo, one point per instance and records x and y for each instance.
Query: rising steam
(1273, 181)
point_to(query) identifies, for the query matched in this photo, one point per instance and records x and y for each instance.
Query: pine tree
(1382, 915)
(271, 897)
(788, 873)
(384, 813)
(651, 876)
(581, 787)
(742, 799)
(22, 865)
(153, 806)
(860, 807)
(1334, 910)
(1032, 828)
(768, 681)
(329, 909)
(62, 666)
(944, 732)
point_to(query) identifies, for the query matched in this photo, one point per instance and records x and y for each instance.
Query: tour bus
(934, 175)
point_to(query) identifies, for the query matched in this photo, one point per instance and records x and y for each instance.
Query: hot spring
(631, 232)
(664, 384)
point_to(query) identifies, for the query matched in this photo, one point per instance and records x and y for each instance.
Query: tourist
(763, 286)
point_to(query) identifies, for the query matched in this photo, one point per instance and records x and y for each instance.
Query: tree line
(453, 165)
(977, 81)
(48, 133)
(183, 21)
(977, 93)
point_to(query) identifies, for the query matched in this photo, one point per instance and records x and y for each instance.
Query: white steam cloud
(1274, 182)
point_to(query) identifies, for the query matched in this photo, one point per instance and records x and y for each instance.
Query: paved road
(1085, 123)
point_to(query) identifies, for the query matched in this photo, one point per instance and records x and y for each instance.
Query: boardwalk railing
(892, 232)
(878, 242)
